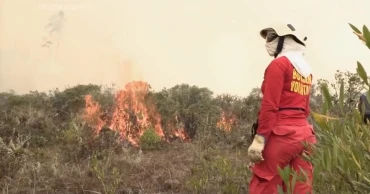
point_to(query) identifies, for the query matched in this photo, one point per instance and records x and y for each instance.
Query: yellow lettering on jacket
(300, 84)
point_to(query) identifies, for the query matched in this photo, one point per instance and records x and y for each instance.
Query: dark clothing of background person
(364, 107)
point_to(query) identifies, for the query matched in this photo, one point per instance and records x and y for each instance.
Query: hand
(256, 148)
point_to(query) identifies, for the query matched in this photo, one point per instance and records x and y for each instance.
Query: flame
(132, 114)
(225, 123)
(180, 132)
(92, 113)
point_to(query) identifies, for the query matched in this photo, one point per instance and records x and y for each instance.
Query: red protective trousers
(284, 148)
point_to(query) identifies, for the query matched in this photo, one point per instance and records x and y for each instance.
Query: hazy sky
(211, 43)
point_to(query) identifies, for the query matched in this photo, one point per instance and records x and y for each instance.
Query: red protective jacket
(283, 87)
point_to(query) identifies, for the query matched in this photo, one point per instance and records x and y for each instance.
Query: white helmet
(284, 29)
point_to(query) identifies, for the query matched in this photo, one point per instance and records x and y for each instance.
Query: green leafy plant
(109, 178)
(342, 155)
(218, 174)
(150, 140)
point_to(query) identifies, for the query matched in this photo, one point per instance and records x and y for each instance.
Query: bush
(150, 140)
(13, 157)
(342, 157)
(69, 102)
(219, 173)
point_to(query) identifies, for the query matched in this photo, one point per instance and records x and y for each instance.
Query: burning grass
(68, 142)
(133, 114)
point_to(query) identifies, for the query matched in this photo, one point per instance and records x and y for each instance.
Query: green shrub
(13, 157)
(71, 101)
(342, 155)
(218, 173)
(150, 140)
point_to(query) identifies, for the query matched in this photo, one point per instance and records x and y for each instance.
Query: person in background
(282, 120)
(363, 104)
(364, 107)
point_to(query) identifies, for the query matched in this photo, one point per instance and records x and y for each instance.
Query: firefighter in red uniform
(282, 119)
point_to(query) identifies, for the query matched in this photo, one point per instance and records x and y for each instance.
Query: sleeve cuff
(264, 138)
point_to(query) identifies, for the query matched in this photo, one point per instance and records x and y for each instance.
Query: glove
(256, 148)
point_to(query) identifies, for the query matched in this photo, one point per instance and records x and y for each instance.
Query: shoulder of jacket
(281, 62)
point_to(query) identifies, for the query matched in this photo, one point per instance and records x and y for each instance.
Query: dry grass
(176, 168)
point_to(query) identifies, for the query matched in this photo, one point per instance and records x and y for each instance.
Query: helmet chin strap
(280, 45)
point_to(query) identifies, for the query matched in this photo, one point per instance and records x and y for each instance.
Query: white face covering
(271, 46)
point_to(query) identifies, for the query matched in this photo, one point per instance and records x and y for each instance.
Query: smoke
(59, 48)
(56, 22)
(206, 43)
